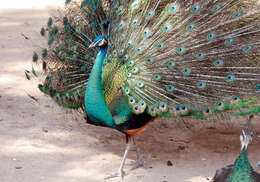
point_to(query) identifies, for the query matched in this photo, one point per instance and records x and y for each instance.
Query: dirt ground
(39, 142)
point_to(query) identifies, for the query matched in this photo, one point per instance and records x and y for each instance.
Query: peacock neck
(95, 105)
(96, 72)
(241, 168)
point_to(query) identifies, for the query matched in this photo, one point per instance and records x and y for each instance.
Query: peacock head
(100, 41)
(246, 135)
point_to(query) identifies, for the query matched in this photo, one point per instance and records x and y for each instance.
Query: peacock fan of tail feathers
(169, 58)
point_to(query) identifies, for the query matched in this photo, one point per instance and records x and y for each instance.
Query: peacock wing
(188, 57)
(113, 76)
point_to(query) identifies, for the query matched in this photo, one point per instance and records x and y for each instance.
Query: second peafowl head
(246, 135)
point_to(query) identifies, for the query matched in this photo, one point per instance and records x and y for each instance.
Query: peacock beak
(93, 44)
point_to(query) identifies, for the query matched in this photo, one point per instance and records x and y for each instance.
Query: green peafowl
(124, 63)
(241, 170)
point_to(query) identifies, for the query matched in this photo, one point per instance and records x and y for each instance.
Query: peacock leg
(120, 172)
(139, 160)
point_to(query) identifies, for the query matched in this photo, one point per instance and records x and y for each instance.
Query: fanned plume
(189, 58)
(171, 58)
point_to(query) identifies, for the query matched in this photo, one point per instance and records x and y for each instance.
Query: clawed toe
(138, 163)
(120, 173)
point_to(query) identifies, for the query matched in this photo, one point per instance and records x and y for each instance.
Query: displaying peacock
(124, 63)
(241, 170)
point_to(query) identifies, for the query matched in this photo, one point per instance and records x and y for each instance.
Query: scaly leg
(139, 160)
(120, 172)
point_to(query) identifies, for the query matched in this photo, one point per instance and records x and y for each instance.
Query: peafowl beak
(93, 44)
(100, 43)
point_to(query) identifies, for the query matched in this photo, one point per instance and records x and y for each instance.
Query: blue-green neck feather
(241, 171)
(95, 104)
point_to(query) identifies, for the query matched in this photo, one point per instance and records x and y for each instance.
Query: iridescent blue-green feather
(188, 58)
(175, 58)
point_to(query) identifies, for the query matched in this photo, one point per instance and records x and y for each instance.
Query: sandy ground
(39, 142)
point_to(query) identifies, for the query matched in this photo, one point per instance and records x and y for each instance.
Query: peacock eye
(99, 42)
(102, 42)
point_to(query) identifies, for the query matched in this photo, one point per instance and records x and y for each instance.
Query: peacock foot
(138, 163)
(139, 160)
(119, 173)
